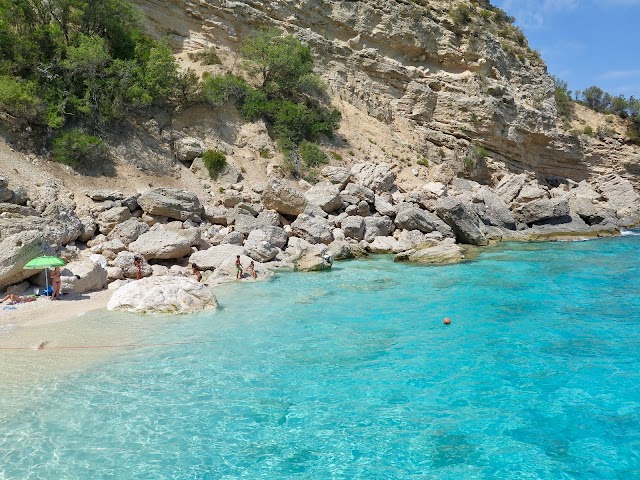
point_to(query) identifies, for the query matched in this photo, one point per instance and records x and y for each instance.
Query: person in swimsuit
(238, 268)
(55, 284)
(13, 298)
(196, 273)
(137, 262)
(252, 270)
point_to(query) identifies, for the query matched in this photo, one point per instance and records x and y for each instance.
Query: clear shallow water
(351, 374)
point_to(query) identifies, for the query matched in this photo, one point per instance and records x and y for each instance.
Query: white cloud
(618, 74)
(532, 13)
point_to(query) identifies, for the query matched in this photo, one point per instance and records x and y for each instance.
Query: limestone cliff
(412, 83)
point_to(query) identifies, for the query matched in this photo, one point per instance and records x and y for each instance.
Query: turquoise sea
(350, 374)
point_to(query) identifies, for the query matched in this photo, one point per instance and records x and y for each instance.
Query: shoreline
(72, 306)
(44, 338)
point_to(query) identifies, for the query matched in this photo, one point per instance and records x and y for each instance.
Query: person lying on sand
(13, 299)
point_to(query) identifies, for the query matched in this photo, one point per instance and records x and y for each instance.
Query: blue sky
(584, 42)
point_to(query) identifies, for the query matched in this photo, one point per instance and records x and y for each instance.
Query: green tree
(284, 63)
(563, 98)
(596, 99)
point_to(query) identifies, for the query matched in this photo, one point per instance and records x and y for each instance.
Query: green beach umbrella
(39, 263)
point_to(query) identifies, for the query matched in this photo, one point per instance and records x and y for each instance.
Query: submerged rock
(443, 253)
(175, 295)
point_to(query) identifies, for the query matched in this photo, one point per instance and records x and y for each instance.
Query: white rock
(168, 294)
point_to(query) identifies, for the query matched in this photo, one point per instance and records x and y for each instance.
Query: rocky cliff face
(421, 83)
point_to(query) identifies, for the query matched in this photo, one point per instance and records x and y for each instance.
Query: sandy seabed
(45, 337)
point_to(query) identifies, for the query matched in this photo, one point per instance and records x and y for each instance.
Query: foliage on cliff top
(66, 61)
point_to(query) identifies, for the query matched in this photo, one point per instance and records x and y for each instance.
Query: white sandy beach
(44, 311)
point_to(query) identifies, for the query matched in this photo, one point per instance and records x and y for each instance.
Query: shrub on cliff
(562, 94)
(77, 148)
(214, 161)
(311, 154)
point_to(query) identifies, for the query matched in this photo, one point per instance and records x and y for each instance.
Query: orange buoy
(447, 321)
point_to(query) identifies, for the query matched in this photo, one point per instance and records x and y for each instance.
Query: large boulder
(438, 253)
(164, 294)
(164, 244)
(188, 149)
(620, 196)
(83, 276)
(283, 199)
(307, 257)
(377, 227)
(170, 202)
(383, 207)
(128, 231)
(18, 210)
(124, 262)
(337, 175)
(463, 219)
(213, 257)
(216, 215)
(378, 178)
(325, 195)
(259, 248)
(15, 252)
(495, 211)
(353, 194)
(510, 186)
(108, 219)
(353, 227)
(245, 223)
(89, 228)
(554, 210)
(531, 191)
(276, 236)
(312, 229)
(591, 211)
(5, 193)
(414, 218)
(63, 225)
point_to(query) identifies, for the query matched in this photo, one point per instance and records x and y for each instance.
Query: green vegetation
(564, 104)
(214, 161)
(478, 152)
(461, 15)
(287, 96)
(265, 153)
(626, 108)
(311, 154)
(88, 63)
(76, 148)
(336, 156)
(217, 90)
(424, 161)
(588, 131)
(468, 164)
(208, 56)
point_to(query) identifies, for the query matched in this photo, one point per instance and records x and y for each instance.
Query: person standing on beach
(138, 264)
(238, 268)
(55, 284)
